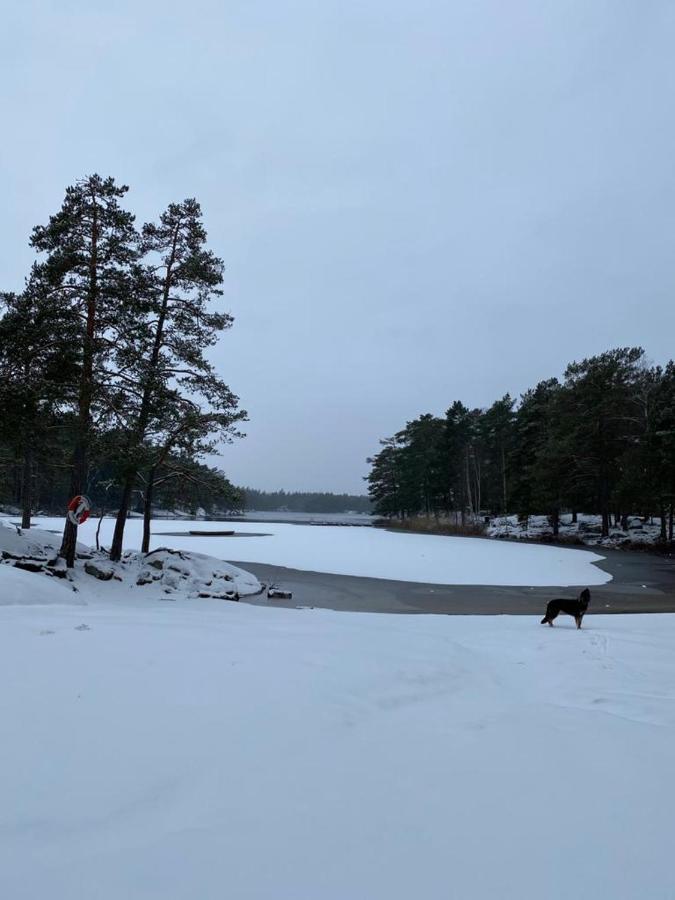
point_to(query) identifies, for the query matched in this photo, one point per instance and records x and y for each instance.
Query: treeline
(301, 501)
(180, 483)
(105, 385)
(601, 440)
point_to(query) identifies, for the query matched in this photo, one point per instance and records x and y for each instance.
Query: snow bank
(375, 553)
(224, 750)
(17, 586)
(35, 541)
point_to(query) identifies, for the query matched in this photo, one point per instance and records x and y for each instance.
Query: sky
(416, 202)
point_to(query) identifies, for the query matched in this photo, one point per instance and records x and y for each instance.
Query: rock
(146, 577)
(30, 565)
(223, 575)
(212, 595)
(57, 567)
(170, 581)
(102, 572)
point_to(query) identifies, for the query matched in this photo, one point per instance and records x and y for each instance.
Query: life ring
(78, 510)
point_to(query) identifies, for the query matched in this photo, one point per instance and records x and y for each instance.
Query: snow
(209, 750)
(17, 586)
(374, 553)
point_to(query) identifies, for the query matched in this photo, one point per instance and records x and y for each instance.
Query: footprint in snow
(82, 627)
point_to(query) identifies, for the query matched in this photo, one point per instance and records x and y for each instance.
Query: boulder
(99, 570)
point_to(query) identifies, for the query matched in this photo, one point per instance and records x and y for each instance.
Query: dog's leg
(578, 620)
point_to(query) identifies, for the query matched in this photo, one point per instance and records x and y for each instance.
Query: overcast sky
(416, 201)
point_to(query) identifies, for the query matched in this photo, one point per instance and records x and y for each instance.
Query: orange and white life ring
(78, 509)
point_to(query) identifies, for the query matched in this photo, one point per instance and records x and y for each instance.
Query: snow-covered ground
(209, 750)
(371, 552)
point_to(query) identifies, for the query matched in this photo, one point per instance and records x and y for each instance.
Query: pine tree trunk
(147, 511)
(662, 511)
(468, 481)
(144, 414)
(27, 484)
(120, 521)
(555, 521)
(604, 505)
(670, 522)
(505, 503)
(81, 454)
(78, 479)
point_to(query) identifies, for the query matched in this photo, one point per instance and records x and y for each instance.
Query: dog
(575, 608)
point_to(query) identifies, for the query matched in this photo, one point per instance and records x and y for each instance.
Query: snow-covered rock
(99, 570)
(162, 572)
(196, 575)
(586, 530)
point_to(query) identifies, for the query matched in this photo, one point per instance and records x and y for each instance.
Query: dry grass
(433, 525)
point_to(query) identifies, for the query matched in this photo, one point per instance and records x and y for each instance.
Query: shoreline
(639, 585)
(660, 550)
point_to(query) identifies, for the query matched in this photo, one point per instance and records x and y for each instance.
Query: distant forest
(601, 440)
(299, 501)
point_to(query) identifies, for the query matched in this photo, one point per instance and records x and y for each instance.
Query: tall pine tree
(174, 378)
(92, 251)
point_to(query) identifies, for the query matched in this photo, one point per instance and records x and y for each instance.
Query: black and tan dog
(575, 608)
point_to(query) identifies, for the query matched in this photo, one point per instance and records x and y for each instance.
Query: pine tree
(534, 421)
(189, 433)
(92, 250)
(384, 480)
(460, 459)
(496, 430)
(603, 418)
(170, 367)
(38, 370)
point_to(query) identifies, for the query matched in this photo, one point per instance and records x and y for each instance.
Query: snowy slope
(17, 586)
(222, 750)
(371, 552)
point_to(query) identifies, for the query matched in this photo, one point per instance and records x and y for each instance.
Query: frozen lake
(368, 552)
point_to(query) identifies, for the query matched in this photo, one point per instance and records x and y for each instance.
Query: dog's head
(585, 598)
